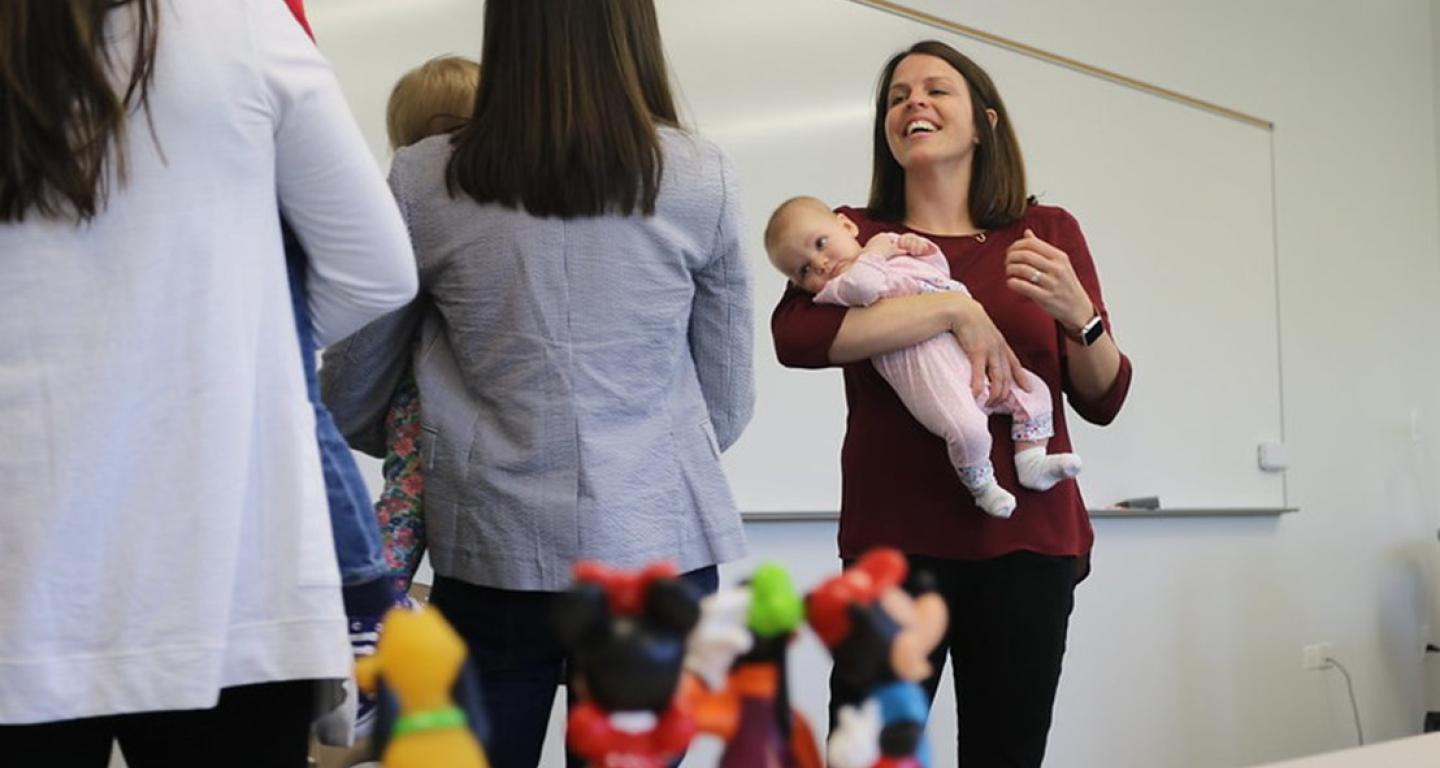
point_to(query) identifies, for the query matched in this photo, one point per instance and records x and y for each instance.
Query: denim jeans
(352, 517)
(520, 659)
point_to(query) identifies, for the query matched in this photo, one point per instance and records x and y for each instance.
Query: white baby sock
(1040, 471)
(994, 500)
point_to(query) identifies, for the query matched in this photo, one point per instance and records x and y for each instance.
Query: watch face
(1092, 331)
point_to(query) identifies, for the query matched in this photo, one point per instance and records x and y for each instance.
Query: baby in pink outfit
(818, 250)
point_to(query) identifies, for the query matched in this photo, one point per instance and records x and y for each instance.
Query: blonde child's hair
(433, 98)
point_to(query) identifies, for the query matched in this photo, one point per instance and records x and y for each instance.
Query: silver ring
(1034, 277)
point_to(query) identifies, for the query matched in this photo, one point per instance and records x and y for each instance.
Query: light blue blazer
(578, 379)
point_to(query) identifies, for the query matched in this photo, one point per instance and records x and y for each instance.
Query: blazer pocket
(425, 340)
(429, 441)
(709, 430)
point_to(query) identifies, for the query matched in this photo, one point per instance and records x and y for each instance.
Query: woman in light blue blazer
(582, 340)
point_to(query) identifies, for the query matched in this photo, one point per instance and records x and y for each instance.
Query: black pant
(520, 660)
(253, 726)
(1008, 621)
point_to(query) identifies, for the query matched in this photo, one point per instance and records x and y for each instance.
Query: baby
(818, 250)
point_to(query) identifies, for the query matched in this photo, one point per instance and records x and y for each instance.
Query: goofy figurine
(738, 656)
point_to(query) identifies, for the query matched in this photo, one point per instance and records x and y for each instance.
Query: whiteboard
(1176, 204)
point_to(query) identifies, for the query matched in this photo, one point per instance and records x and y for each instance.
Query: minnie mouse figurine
(881, 638)
(625, 632)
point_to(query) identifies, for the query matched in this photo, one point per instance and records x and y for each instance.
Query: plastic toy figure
(739, 652)
(881, 639)
(625, 631)
(419, 659)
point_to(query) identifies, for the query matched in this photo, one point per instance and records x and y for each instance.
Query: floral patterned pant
(399, 509)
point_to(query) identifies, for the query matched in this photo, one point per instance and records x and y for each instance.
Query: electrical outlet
(1316, 656)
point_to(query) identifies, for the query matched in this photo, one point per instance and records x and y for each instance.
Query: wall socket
(1316, 656)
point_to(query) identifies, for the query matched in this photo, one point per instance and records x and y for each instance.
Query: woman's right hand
(991, 358)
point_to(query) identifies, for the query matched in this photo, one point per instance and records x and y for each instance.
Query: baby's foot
(1040, 471)
(994, 500)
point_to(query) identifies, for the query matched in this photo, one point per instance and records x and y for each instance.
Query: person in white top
(167, 576)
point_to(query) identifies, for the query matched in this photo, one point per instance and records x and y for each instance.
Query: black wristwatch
(1089, 333)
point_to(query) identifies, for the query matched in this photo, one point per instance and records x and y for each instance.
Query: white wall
(1186, 641)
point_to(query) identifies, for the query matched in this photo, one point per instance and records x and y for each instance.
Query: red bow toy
(625, 591)
(828, 607)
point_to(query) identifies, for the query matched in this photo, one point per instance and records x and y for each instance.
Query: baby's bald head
(786, 215)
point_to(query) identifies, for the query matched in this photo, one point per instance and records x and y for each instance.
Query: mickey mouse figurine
(881, 638)
(625, 632)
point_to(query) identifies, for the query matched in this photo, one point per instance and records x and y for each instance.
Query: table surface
(1411, 752)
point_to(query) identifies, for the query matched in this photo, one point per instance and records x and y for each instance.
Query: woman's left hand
(1041, 272)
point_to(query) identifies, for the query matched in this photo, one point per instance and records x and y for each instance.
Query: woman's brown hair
(643, 29)
(60, 114)
(997, 181)
(567, 112)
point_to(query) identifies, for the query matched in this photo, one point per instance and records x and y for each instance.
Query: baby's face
(815, 247)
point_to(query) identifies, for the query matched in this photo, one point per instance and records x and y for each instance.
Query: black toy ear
(466, 694)
(920, 582)
(862, 659)
(387, 711)
(580, 615)
(672, 604)
(901, 738)
(469, 697)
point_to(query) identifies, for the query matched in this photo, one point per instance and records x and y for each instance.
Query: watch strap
(1093, 330)
(1089, 333)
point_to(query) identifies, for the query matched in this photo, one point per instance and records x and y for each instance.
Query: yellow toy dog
(419, 656)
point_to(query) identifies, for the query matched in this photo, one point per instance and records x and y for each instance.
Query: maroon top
(899, 488)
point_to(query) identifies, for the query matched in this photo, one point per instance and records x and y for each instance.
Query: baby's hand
(916, 245)
(883, 242)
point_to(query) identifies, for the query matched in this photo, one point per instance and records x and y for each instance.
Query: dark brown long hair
(566, 114)
(60, 116)
(643, 30)
(997, 179)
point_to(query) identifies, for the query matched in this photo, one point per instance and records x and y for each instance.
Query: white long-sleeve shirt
(163, 524)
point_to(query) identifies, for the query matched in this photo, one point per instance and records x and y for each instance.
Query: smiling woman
(947, 166)
(930, 115)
